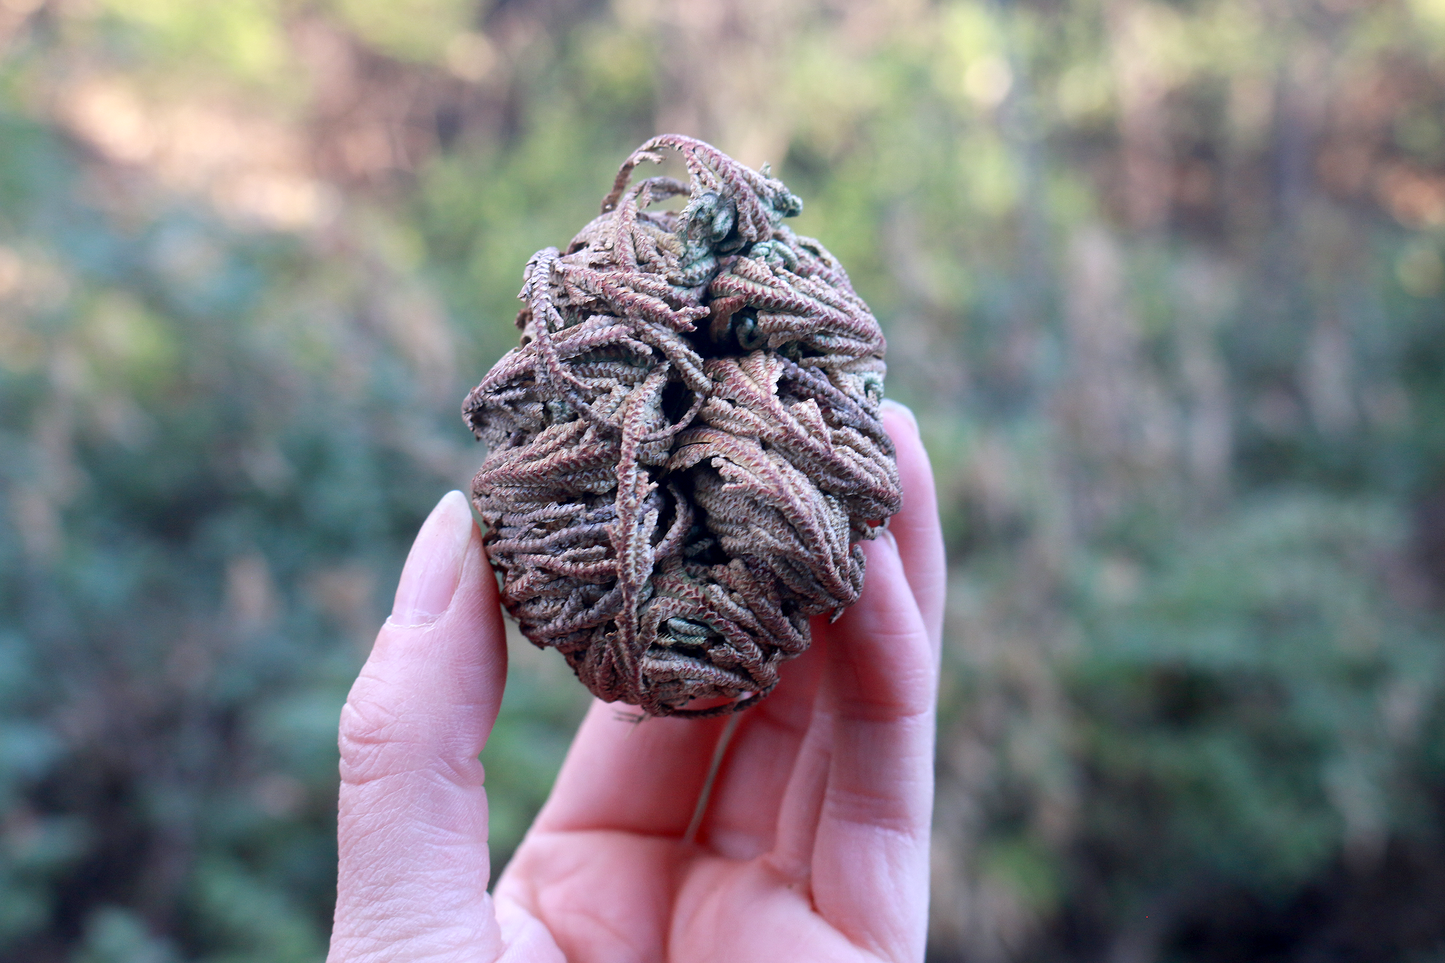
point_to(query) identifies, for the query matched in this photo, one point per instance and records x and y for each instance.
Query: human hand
(814, 842)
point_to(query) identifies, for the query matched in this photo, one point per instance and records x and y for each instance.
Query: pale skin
(814, 843)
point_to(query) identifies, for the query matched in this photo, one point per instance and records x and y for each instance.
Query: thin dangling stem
(689, 838)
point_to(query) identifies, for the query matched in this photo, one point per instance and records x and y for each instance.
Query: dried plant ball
(686, 448)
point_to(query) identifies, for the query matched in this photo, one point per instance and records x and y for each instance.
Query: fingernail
(434, 567)
(903, 410)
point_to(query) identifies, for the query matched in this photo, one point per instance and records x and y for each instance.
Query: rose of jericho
(685, 450)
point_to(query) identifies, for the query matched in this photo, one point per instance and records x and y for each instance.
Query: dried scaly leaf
(685, 450)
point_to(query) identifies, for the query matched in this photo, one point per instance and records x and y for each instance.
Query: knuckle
(371, 738)
(888, 812)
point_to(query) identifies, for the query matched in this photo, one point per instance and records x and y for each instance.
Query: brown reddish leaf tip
(686, 448)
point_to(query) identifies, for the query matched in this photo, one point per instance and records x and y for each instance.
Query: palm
(814, 839)
(601, 901)
(609, 873)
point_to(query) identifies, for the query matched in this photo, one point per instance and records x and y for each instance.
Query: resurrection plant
(685, 450)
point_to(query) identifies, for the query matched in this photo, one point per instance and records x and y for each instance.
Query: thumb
(412, 828)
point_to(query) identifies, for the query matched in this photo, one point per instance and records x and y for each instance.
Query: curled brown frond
(686, 449)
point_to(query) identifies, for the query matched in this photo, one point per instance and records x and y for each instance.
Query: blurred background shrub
(1162, 278)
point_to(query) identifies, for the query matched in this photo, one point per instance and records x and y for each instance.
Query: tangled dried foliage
(686, 448)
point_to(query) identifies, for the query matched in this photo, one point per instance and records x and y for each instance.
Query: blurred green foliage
(1163, 280)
